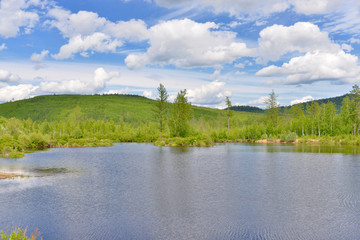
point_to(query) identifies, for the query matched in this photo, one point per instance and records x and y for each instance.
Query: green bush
(20, 234)
(16, 154)
(38, 141)
(288, 137)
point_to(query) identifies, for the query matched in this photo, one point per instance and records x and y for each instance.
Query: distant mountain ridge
(336, 100)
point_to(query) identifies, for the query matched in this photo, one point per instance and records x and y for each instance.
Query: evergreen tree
(161, 107)
(229, 113)
(181, 114)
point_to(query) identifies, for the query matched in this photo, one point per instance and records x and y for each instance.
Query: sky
(244, 49)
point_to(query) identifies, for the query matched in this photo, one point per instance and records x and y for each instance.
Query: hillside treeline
(317, 121)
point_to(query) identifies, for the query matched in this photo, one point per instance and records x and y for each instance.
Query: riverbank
(8, 175)
(204, 141)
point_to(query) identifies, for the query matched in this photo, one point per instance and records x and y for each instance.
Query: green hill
(336, 100)
(129, 108)
(247, 109)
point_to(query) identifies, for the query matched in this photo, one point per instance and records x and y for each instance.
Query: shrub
(38, 141)
(20, 234)
(288, 137)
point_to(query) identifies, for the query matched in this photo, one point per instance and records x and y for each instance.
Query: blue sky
(301, 49)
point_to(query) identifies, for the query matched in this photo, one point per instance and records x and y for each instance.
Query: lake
(229, 191)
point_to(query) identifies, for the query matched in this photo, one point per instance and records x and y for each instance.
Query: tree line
(176, 121)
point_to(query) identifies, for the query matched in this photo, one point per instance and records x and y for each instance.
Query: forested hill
(129, 108)
(336, 100)
(247, 109)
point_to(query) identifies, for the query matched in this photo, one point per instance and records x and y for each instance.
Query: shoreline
(4, 175)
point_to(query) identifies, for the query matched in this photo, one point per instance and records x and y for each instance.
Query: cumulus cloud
(76, 86)
(239, 65)
(97, 42)
(302, 100)
(187, 44)
(317, 66)
(147, 93)
(209, 94)
(278, 40)
(14, 16)
(13, 93)
(6, 76)
(119, 91)
(38, 57)
(259, 102)
(88, 33)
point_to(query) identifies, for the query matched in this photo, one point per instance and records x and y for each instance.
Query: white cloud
(209, 94)
(315, 6)
(119, 91)
(2, 47)
(147, 93)
(355, 40)
(77, 86)
(234, 24)
(187, 44)
(257, 8)
(278, 40)
(6, 76)
(38, 57)
(14, 16)
(239, 65)
(302, 100)
(259, 102)
(345, 19)
(11, 93)
(317, 66)
(239, 73)
(88, 33)
(215, 75)
(97, 42)
(346, 47)
(237, 8)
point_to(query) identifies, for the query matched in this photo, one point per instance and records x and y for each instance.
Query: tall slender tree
(355, 100)
(229, 113)
(272, 108)
(181, 114)
(161, 107)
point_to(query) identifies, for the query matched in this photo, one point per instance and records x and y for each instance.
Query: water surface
(230, 191)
